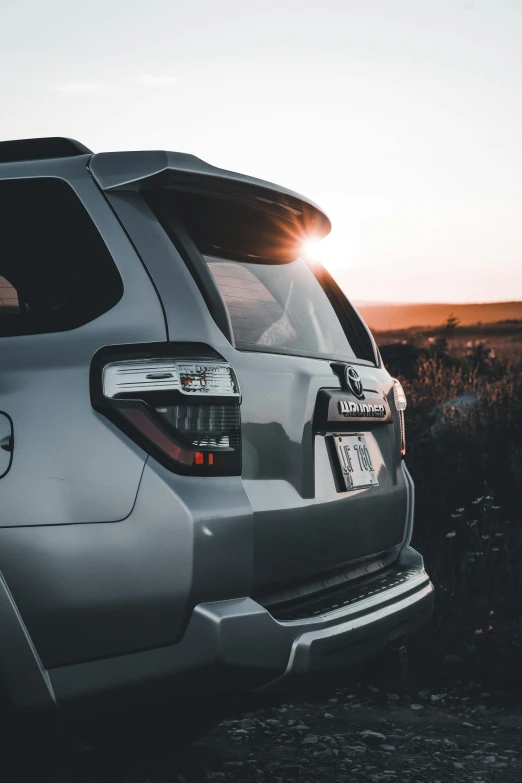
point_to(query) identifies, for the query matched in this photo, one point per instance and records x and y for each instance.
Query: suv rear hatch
(291, 336)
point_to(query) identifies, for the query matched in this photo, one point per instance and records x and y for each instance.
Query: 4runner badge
(365, 409)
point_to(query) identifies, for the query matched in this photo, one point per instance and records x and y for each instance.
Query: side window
(8, 298)
(56, 272)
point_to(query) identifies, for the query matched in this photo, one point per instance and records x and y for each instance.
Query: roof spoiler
(150, 170)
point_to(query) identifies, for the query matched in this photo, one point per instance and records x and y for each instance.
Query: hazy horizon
(391, 316)
(388, 303)
(401, 119)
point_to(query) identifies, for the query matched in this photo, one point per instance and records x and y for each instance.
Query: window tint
(56, 272)
(279, 306)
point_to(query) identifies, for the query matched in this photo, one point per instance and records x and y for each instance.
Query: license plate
(356, 462)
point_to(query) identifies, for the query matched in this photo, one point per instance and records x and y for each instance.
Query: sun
(325, 251)
(312, 248)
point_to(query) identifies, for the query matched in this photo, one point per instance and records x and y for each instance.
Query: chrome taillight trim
(399, 396)
(401, 405)
(153, 375)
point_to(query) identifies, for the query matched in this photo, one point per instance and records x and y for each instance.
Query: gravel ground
(393, 730)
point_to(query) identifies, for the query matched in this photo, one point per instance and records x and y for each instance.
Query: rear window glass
(276, 301)
(279, 306)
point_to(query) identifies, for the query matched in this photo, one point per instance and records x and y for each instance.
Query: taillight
(183, 411)
(400, 404)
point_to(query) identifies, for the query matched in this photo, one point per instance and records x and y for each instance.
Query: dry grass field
(464, 420)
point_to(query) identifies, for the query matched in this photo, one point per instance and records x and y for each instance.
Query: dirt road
(361, 732)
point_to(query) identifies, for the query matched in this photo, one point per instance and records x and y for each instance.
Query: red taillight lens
(185, 412)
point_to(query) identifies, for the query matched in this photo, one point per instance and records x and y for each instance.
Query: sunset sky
(401, 118)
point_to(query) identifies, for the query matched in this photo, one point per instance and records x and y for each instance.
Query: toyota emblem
(354, 382)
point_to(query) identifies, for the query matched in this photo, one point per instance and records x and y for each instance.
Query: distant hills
(385, 316)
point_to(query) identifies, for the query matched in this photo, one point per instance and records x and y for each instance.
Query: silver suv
(202, 485)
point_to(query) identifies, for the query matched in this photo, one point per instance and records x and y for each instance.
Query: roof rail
(38, 149)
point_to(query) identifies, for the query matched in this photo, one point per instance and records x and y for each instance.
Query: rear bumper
(356, 638)
(238, 645)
